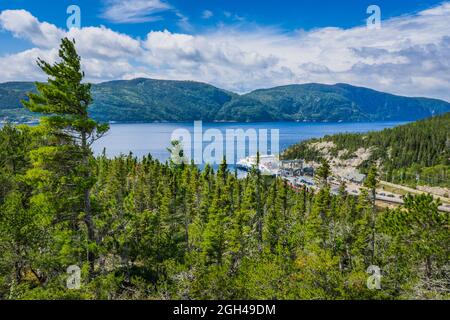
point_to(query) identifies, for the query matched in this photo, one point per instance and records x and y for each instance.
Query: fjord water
(154, 138)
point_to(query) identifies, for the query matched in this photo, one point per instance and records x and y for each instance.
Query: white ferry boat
(268, 164)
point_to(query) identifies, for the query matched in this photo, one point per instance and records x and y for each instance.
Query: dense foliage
(171, 232)
(418, 152)
(159, 100)
(141, 229)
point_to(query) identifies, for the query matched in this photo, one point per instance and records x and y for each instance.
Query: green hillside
(157, 100)
(11, 93)
(148, 100)
(318, 102)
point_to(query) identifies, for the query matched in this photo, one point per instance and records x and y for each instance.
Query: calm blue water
(155, 138)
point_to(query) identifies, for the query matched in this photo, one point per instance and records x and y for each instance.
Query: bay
(154, 138)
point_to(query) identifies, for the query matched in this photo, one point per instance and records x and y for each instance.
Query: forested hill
(417, 150)
(148, 100)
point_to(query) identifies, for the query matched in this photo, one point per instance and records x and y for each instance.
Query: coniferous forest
(142, 229)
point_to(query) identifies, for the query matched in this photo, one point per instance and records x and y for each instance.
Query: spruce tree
(70, 132)
(371, 184)
(323, 172)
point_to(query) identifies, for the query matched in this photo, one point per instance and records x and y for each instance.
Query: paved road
(392, 197)
(382, 195)
(444, 208)
(411, 190)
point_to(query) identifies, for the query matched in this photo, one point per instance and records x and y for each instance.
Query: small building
(308, 171)
(291, 168)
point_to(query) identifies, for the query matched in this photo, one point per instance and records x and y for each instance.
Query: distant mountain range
(148, 100)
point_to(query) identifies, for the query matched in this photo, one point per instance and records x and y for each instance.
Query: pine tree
(371, 184)
(323, 172)
(273, 219)
(259, 210)
(70, 133)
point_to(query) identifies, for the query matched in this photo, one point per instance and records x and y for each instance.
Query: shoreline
(3, 122)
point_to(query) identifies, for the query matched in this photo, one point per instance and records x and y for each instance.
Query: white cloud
(22, 66)
(183, 22)
(409, 55)
(23, 25)
(103, 43)
(105, 53)
(134, 11)
(165, 47)
(206, 14)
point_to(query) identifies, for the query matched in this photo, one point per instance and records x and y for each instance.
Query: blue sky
(239, 45)
(285, 14)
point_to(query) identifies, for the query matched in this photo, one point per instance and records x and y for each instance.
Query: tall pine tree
(67, 157)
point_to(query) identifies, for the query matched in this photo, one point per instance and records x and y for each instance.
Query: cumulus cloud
(165, 47)
(22, 66)
(103, 43)
(23, 25)
(409, 55)
(106, 53)
(134, 11)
